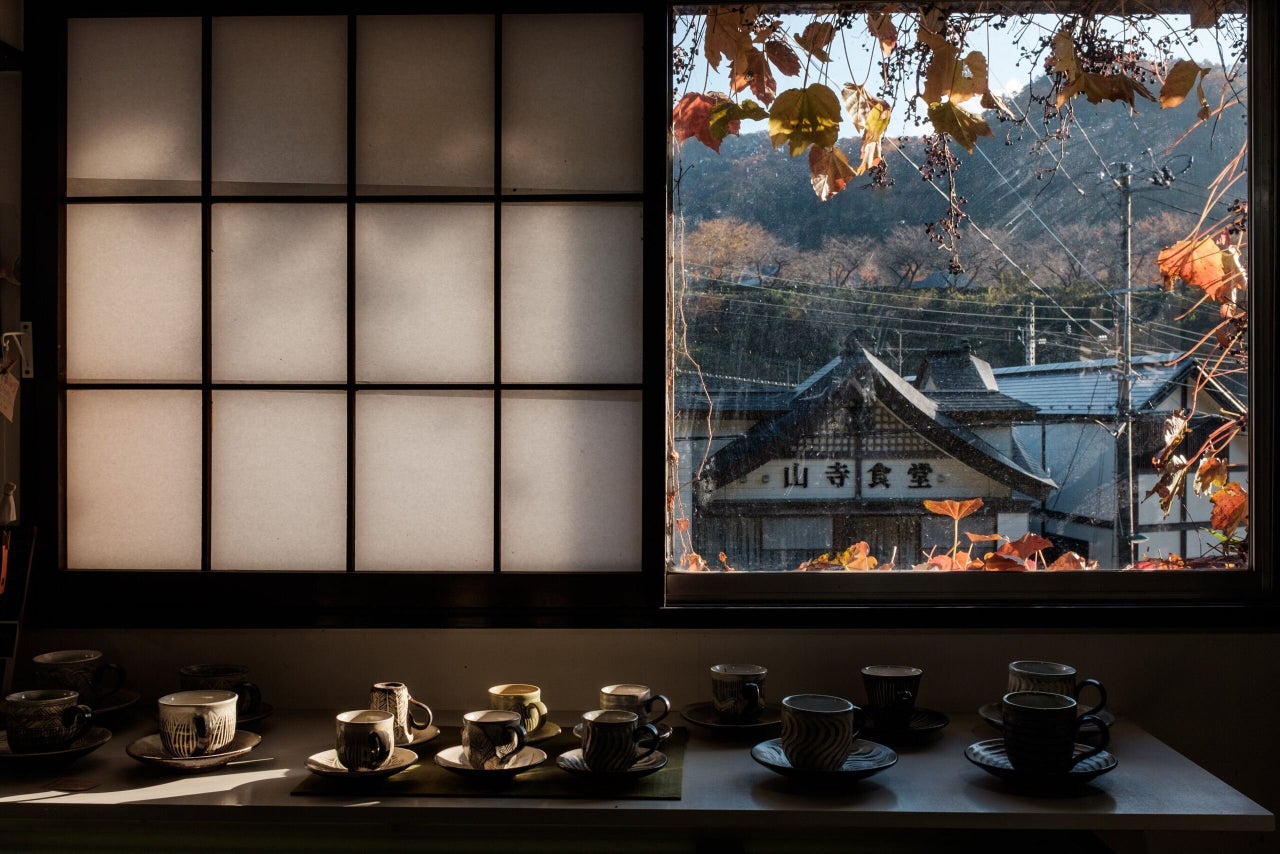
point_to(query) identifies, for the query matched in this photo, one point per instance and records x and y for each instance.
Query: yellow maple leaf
(728, 34)
(1178, 83)
(1104, 87)
(960, 124)
(815, 38)
(801, 117)
(880, 25)
(829, 171)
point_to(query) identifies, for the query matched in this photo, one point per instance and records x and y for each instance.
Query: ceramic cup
(81, 670)
(891, 693)
(614, 740)
(197, 723)
(491, 737)
(737, 691)
(636, 699)
(394, 697)
(1053, 678)
(522, 698)
(818, 731)
(222, 677)
(44, 719)
(1040, 731)
(365, 739)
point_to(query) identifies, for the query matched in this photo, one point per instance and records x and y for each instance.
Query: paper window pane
(279, 105)
(570, 481)
(133, 106)
(571, 106)
(424, 481)
(279, 480)
(424, 103)
(424, 293)
(133, 479)
(279, 293)
(133, 293)
(571, 293)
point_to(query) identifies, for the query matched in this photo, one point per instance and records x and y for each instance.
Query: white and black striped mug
(818, 731)
(614, 740)
(394, 697)
(1053, 678)
(491, 738)
(197, 723)
(365, 739)
(630, 697)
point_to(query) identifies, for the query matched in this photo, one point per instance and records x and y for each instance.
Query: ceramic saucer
(573, 762)
(542, 733)
(990, 756)
(120, 699)
(664, 731)
(422, 737)
(923, 725)
(150, 751)
(705, 719)
(451, 759)
(992, 714)
(86, 743)
(326, 764)
(866, 758)
(258, 713)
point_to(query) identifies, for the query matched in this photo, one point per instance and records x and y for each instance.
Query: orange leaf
(880, 24)
(693, 562)
(949, 564)
(858, 557)
(815, 39)
(829, 171)
(1027, 545)
(1071, 561)
(983, 538)
(682, 524)
(954, 509)
(1178, 83)
(1212, 472)
(724, 561)
(1230, 508)
(1173, 561)
(692, 118)
(1202, 264)
(728, 35)
(783, 57)
(763, 86)
(1003, 563)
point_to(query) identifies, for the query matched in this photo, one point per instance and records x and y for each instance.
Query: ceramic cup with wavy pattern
(365, 739)
(1041, 729)
(522, 698)
(197, 723)
(1053, 678)
(614, 740)
(630, 697)
(491, 738)
(394, 697)
(818, 730)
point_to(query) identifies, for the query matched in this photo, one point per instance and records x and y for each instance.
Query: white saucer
(326, 764)
(150, 750)
(573, 762)
(451, 759)
(422, 737)
(866, 758)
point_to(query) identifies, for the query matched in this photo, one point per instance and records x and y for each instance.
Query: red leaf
(1027, 545)
(954, 509)
(782, 57)
(692, 118)
(1070, 561)
(1230, 508)
(1003, 563)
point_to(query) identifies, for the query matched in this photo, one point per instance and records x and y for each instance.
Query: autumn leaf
(1204, 14)
(960, 124)
(693, 562)
(829, 171)
(1212, 472)
(1003, 563)
(872, 140)
(1170, 483)
(1202, 264)
(1174, 430)
(1071, 561)
(948, 563)
(760, 78)
(1104, 87)
(858, 557)
(1026, 545)
(953, 509)
(1178, 83)
(726, 116)
(880, 24)
(801, 117)
(1230, 508)
(728, 35)
(1173, 561)
(857, 103)
(983, 538)
(1064, 56)
(815, 39)
(783, 57)
(692, 118)
(682, 524)
(724, 561)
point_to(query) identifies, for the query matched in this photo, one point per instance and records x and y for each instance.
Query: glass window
(955, 290)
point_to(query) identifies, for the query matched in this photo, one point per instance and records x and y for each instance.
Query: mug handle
(647, 732)
(425, 709)
(100, 680)
(1102, 695)
(666, 708)
(905, 696)
(752, 696)
(379, 748)
(76, 719)
(537, 712)
(1104, 737)
(250, 696)
(201, 728)
(859, 722)
(518, 745)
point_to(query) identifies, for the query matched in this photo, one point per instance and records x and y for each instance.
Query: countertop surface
(932, 785)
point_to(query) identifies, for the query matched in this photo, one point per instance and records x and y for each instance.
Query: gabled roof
(855, 382)
(964, 385)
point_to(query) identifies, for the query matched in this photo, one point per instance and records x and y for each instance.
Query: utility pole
(1126, 514)
(1031, 334)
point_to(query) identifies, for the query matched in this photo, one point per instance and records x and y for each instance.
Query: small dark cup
(1041, 729)
(45, 719)
(891, 693)
(737, 691)
(81, 670)
(223, 677)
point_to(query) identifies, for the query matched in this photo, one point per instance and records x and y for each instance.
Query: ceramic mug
(637, 699)
(1053, 678)
(197, 723)
(365, 739)
(522, 698)
(82, 671)
(818, 731)
(491, 737)
(737, 691)
(44, 719)
(394, 697)
(614, 740)
(1040, 732)
(891, 693)
(222, 677)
